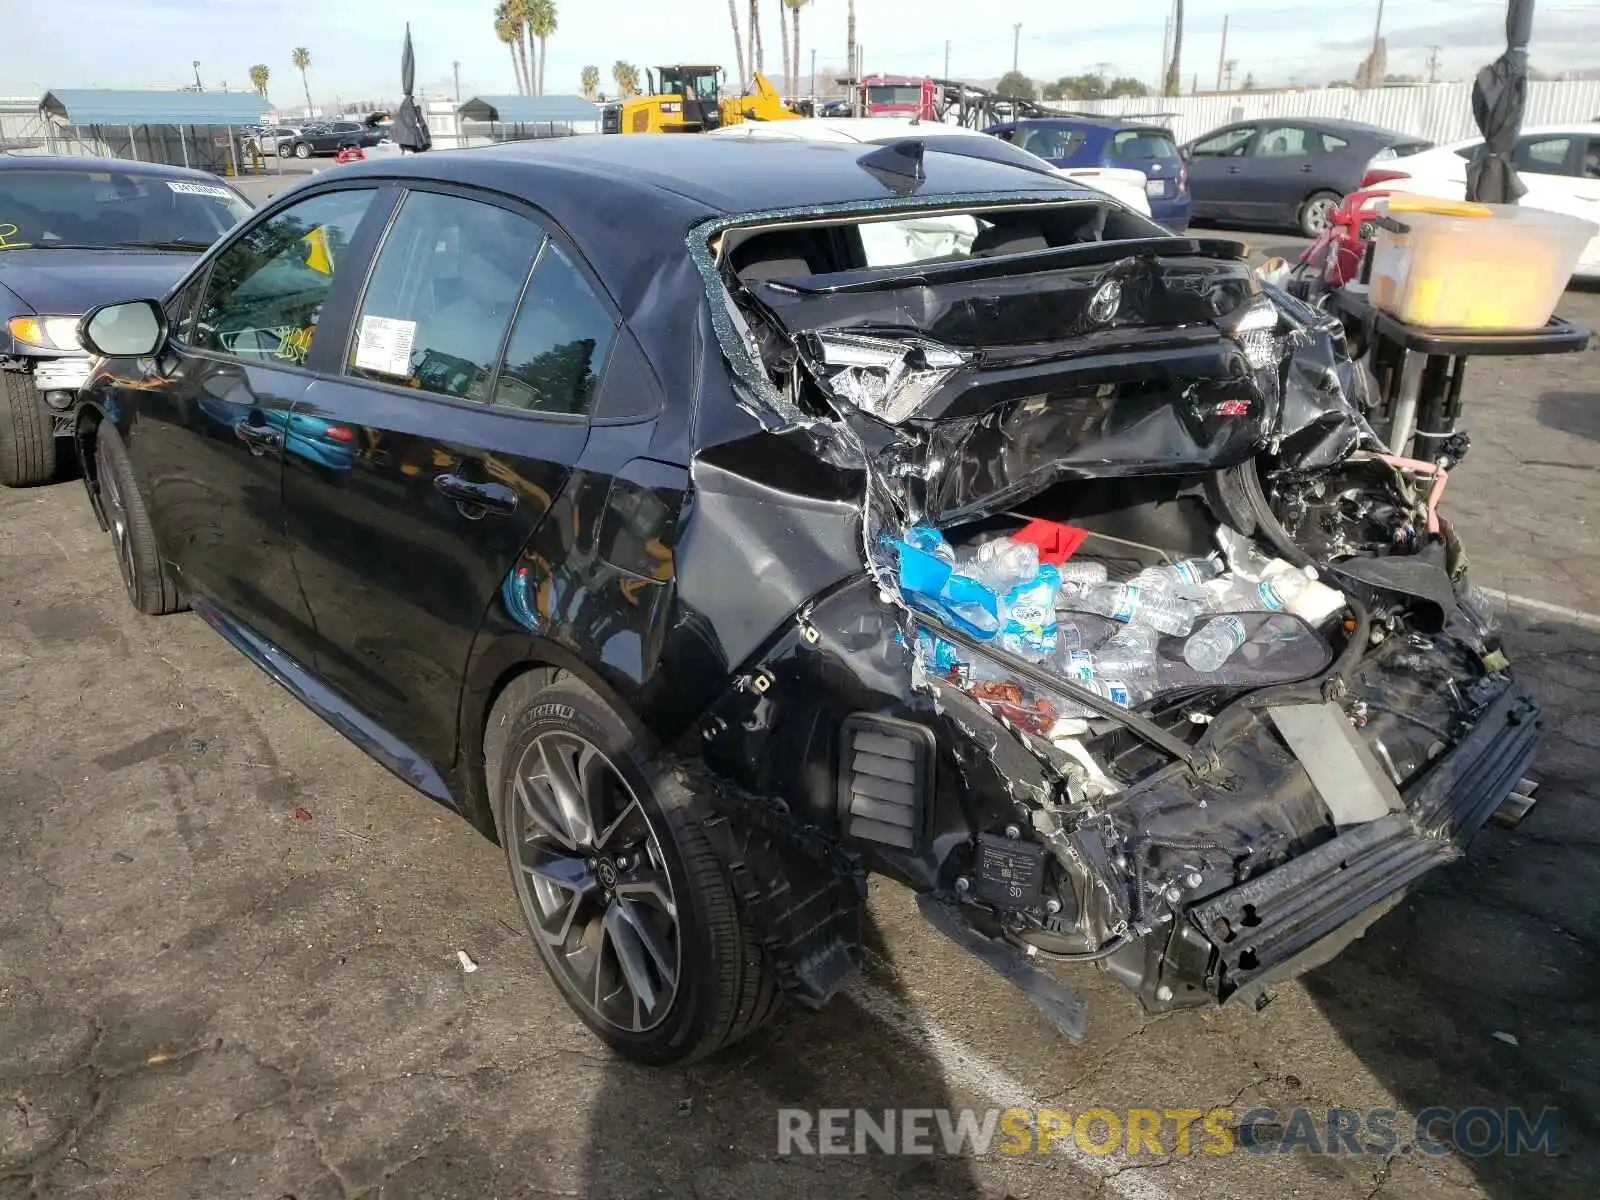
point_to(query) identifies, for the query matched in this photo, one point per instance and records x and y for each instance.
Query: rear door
(434, 450)
(1217, 181)
(1286, 165)
(210, 442)
(1562, 174)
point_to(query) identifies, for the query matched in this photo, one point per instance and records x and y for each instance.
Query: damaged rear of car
(1058, 373)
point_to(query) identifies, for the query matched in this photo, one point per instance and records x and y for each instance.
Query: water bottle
(1130, 604)
(1129, 655)
(1183, 578)
(1121, 694)
(1002, 564)
(1215, 643)
(930, 541)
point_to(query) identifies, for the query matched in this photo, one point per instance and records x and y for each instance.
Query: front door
(436, 451)
(211, 444)
(1217, 180)
(1283, 169)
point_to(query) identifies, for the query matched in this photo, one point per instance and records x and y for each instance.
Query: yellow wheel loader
(689, 99)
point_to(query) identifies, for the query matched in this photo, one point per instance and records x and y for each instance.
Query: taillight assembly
(1183, 177)
(339, 433)
(1378, 175)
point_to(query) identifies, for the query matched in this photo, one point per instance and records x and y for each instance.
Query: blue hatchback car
(1086, 142)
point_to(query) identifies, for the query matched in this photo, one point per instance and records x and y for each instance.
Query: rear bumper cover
(1302, 913)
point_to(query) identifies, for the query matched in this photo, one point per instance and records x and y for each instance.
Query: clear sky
(355, 44)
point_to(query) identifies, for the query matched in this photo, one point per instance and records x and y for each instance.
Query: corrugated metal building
(196, 129)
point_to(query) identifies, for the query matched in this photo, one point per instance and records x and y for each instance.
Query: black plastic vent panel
(885, 773)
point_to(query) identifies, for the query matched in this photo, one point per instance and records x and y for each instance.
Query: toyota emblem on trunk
(1106, 300)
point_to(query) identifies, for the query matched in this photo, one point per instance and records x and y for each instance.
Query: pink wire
(1440, 478)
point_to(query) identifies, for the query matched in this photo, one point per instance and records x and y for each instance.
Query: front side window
(1230, 143)
(265, 294)
(1285, 141)
(558, 347)
(1542, 155)
(442, 294)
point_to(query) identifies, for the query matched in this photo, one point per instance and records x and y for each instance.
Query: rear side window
(1142, 144)
(1331, 144)
(442, 294)
(559, 344)
(1049, 143)
(264, 297)
(1591, 159)
(1542, 155)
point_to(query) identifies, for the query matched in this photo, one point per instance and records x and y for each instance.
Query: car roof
(83, 163)
(713, 175)
(629, 200)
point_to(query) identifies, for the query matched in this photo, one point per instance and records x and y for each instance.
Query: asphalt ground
(229, 943)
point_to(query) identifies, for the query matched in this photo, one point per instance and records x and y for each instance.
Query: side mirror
(1186, 153)
(132, 329)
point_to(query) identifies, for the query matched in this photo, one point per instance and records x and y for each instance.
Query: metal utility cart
(1420, 371)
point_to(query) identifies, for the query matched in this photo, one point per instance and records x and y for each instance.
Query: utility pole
(1166, 46)
(1223, 53)
(456, 67)
(1377, 31)
(1433, 63)
(1016, 42)
(947, 58)
(198, 86)
(1228, 67)
(813, 72)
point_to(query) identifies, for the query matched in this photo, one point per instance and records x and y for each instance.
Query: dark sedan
(1284, 171)
(76, 233)
(607, 491)
(328, 139)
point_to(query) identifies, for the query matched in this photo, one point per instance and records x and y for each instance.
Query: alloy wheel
(1318, 214)
(116, 510)
(593, 882)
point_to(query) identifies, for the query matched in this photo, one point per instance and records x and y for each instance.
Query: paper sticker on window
(200, 189)
(384, 345)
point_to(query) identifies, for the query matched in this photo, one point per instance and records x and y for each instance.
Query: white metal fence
(1437, 112)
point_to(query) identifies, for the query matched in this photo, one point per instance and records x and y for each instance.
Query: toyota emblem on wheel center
(1106, 300)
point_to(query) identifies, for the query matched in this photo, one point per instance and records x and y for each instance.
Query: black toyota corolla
(76, 233)
(715, 523)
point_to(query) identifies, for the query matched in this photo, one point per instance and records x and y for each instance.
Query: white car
(1559, 164)
(1120, 183)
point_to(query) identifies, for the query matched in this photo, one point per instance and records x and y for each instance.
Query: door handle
(494, 498)
(1233, 170)
(1305, 168)
(258, 437)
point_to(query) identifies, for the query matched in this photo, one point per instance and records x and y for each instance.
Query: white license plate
(1155, 187)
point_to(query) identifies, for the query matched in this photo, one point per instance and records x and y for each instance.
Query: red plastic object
(1379, 175)
(1056, 543)
(1339, 248)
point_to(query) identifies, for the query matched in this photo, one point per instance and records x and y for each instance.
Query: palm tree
(794, 7)
(1171, 84)
(755, 55)
(541, 24)
(783, 37)
(258, 76)
(510, 35)
(627, 78)
(517, 15)
(302, 59)
(738, 39)
(591, 82)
